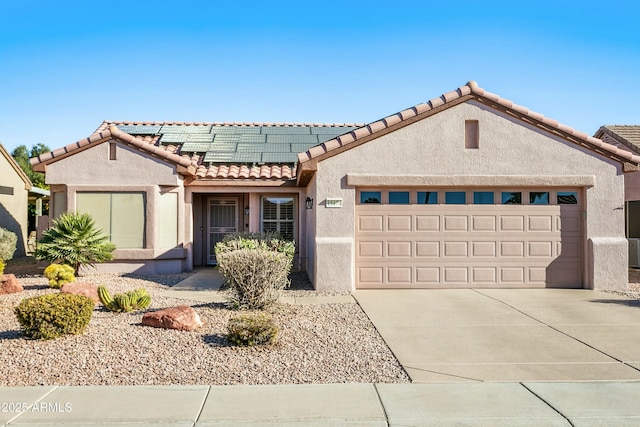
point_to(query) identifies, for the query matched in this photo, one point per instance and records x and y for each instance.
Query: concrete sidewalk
(488, 404)
(467, 335)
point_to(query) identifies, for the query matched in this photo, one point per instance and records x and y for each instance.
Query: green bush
(59, 274)
(247, 240)
(251, 329)
(74, 240)
(53, 315)
(138, 299)
(8, 244)
(2, 266)
(255, 276)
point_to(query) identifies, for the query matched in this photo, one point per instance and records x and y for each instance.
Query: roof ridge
(107, 123)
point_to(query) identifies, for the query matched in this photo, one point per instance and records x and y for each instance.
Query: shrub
(247, 240)
(8, 244)
(74, 240)
(255, 276)
(59, 274)
(53, 315)
(251, 329)
(138, 299)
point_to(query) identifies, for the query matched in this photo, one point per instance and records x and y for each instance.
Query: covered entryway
(469, 238)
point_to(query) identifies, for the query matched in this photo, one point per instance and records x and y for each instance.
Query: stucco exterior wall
(13, 207)
(507, 147)
(93, 167)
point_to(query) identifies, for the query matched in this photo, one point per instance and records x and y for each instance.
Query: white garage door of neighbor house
(433, 238)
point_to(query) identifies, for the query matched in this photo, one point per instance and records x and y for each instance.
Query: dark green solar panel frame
(173, 138)
(310, 139)
(196, 147)
(200, 137)
(279, 157)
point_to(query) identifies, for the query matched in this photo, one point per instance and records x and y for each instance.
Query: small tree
(74, 240)
(8, 242)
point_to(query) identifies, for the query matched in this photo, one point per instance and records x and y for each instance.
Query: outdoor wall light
(246, 210)
(309, 203)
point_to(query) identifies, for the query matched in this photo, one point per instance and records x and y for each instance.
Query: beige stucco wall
(132, 171)
(435, 146)
(13, 208)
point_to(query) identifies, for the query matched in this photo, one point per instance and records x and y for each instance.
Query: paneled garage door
(469, 245)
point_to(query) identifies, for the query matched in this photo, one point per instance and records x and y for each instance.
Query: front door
(222, 219)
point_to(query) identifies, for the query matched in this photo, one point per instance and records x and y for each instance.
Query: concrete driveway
(459, 335)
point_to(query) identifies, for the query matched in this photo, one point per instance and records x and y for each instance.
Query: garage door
(464, 238)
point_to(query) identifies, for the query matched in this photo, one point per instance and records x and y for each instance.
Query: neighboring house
(14, 199)
(466, 190)
(627, 137)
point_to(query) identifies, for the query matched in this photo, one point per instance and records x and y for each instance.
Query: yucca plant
(74, 240)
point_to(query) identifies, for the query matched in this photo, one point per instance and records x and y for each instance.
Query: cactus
(105, 298)
(137, 299)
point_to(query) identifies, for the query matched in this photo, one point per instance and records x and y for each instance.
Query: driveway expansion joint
(547, 403)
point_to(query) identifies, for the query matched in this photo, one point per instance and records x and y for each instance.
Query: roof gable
(307, 161)
(16, 167)
(627, 135)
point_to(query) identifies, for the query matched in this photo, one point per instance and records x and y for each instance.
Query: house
(627, 137)
(14, 199)
(466, 190)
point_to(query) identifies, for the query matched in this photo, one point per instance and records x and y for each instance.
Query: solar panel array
(241, 144)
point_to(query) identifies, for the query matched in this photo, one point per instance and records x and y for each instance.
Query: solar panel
(218, 157)
(253, 138)
(246, 157)
(311, 139)
(200, 137)
(277, 148)
(225, 147)
(196, 147)
(289, 130)
(227, 137)
(279, 157)
(251, 148)
(139, 130)
(173, 138)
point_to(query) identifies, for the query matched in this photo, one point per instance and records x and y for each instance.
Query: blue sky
(65, 66)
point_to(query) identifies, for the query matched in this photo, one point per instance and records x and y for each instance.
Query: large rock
(81, 288)
(182, 318)
(9, 284)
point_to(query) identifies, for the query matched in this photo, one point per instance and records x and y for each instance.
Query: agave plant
(74, 240)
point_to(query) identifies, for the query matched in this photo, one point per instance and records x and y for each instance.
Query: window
(398, 197)
(539, 198)
(511, 198)
(483, 197)
(455, 198)
(121, 216)
(427, 197)
(567, 198)
(278, 215)
(168, 226)
(370, 197)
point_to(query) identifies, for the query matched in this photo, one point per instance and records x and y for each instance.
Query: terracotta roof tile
(472, 90)
(245, 172)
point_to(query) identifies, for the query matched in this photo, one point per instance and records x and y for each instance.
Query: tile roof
(627, 135)
(471, 91)
(216, 150)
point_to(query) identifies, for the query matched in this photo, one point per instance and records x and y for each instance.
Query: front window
(278, 215)
(121, 216)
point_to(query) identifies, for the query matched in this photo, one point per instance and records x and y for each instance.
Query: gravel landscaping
(327, 343)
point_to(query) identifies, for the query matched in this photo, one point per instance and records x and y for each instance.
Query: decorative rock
(81, 288)
(9, 284)
(182, 318)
